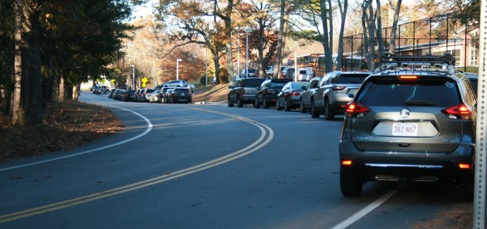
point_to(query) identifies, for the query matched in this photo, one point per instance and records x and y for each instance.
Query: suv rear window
(441, 92)
(181, 90)
(350, 79)
(252, 82)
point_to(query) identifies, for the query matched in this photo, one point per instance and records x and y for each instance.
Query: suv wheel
(239, 102)
(256, 103)
(230, 104)
(314, 112)
(266, 103)
(278, 106)
(329, 115)
(350, 185)
(287, 106)
(302, 108)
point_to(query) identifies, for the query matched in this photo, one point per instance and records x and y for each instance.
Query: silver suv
(335, 91)
(413, 123)
(244, 91)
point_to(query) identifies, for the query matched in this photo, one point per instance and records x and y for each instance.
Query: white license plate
(405, 129)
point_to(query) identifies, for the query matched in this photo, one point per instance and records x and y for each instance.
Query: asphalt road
(209, 166)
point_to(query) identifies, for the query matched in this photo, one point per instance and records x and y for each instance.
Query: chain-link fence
(434, 36)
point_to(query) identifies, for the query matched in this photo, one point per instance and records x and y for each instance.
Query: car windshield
(438, 92)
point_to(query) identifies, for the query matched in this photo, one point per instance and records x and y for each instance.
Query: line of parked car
(172, 92)
(326, 95)
(412, 120)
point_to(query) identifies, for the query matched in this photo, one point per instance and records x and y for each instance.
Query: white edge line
(149, 128)
(369, 208)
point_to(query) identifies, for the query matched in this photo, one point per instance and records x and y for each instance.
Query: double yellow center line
(266, 136)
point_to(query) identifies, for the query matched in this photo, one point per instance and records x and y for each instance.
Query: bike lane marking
(369, 208)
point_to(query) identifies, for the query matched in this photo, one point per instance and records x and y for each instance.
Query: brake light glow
(296, 93)
(460, 111)
(356, 109)
(347, 162)
(464, 166)
(408, 78)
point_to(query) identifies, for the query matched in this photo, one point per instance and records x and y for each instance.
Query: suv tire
(302, 108)
(256, 103)
(230, 104)
(287, 106)
(329, 115)
(239, 102)
(266, 103)
(314, 112)
(350, 185)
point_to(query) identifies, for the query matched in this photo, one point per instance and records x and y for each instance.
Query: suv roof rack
(412, 62)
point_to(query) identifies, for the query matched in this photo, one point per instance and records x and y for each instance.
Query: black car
(414, 123)
(267, 93)
(128, 95)
(289, 97)
(180, 95)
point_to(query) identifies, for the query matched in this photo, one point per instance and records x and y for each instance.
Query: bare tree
(343, 13)
(396, 8)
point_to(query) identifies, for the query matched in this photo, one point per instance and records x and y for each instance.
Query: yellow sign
(144, 81)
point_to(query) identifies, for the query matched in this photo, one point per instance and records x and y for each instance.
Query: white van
(304, 74)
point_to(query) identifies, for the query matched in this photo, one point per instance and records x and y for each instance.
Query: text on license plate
(405, 129)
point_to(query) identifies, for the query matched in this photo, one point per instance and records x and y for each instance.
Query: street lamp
(247, 31)
(206, 67)
(177, 68)
(133, 77)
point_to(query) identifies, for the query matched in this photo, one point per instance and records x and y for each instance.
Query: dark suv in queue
(243, 92)
(268, 91)
(414, 122)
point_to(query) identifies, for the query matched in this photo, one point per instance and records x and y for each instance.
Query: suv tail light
(296, 93)
(460, 111)
(355, 109)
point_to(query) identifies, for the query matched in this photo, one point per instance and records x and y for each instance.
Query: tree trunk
(16, 111)
(280, 41)
(32, 61)
(380, 41)
(371, 31)
(60, 96)
(343, 13)
(392, 41)
(229, 29)
(76, 90)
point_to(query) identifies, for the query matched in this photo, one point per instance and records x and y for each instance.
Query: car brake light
(296, 93)
(347, 162)
(338, 88)
(460, 111)
(464, 166)
(408, 78)
(356, 109)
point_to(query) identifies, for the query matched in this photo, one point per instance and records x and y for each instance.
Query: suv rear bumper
(406, 165)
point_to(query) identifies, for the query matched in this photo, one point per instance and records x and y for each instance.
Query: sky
(141, 11)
